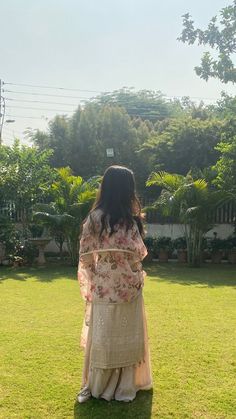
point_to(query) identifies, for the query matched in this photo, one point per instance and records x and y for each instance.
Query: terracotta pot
(163, 255)
(232, 256)
(216, 256)
(182, 255)
(205, 255)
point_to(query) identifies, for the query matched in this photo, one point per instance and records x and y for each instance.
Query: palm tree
(192, 203)
(63, 217)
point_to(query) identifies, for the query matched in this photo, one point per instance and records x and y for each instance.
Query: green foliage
(163, 243)
(219, 35)
(180, 243)
(35, 230)
(72, 199)
(225, 166)
(231, 242)
(149, 243)
(25, 176)
(27, 252)
(182, 144)
(192, 202)
(225, 107)
(183, 137)
(82, 140)
(145, 104)
(9, 236)
(17, 247)
(216, 244)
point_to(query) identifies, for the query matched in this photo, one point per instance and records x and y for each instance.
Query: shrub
(180, 243)
(163, 243)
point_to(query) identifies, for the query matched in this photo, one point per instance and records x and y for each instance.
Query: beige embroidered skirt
(117, 361)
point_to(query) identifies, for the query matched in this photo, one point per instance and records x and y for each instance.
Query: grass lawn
(192, 328)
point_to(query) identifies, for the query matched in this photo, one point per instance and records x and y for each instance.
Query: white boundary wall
(176, 230)
(169, 230)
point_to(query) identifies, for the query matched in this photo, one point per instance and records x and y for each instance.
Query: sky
(96, 46)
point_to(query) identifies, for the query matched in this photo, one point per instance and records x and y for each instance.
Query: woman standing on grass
(111, 278)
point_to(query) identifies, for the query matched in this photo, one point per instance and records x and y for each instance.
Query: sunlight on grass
(191, 317)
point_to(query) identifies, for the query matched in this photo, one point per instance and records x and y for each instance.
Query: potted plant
(36, 230)
(191, 202)
(231, 246)
(180, 245)
(163, 245)
(149, 243)
(205, 249)
(9, 241)
(216, 247)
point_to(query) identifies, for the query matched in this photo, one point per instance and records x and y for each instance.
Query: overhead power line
(147, 116)
(40, 109)
(53, 87)
(190, 97)
(40, 101)
(23, 117)
(97, 91)
(129, 109)
(44, 94)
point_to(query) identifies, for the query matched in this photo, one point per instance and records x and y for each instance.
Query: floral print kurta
(110, 268)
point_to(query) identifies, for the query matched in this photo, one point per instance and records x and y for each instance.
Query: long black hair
(118, 200)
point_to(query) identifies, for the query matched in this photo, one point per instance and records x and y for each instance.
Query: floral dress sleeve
(86, 264)
(139, 245)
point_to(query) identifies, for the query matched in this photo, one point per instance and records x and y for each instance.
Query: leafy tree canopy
(25, 173)
(183, 144)
(220, 36)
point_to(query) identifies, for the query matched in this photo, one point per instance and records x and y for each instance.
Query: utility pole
(2, 110)
(2, 106)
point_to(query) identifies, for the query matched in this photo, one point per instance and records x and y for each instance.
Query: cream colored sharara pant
(117, 360)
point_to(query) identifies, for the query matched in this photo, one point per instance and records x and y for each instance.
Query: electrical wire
(129, 110)
(191, 97)
(53, 87)
(27, 117)
(43, 117)
(39, 101)
(44, 94)
(41, 109)
(97, 91)
(136, 111)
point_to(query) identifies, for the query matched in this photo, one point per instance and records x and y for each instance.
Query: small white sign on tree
(110, 152)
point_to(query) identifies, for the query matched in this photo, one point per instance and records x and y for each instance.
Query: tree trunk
(72, 243)
(194, 239)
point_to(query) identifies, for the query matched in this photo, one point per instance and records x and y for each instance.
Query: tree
(73, 198)
(225, 107)
(57, 139)
(182, 144)
(192, 203)
(144, 104)
(220, 35)
(226, 166)
(81, 141)
(25, 176)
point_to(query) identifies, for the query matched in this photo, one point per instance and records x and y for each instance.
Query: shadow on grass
(46, 273)
(207, 275)
(140, 407)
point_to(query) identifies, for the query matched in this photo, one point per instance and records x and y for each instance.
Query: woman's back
(112, 262)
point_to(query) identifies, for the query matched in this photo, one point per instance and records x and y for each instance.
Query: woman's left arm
(86, 261)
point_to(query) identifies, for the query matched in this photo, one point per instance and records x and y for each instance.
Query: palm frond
(170, 181)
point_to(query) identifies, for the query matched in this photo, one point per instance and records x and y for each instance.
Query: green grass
(192, 327)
